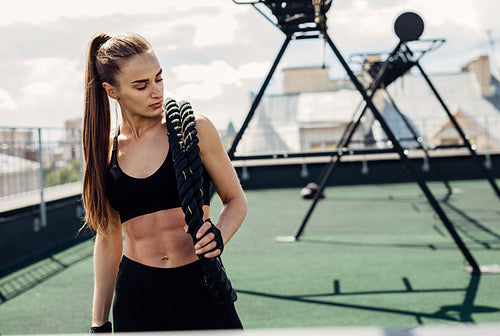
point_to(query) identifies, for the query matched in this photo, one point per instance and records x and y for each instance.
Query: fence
(268, 135)
(34, 159)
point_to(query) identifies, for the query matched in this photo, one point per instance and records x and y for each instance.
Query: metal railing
(279, 137)
(33, 160)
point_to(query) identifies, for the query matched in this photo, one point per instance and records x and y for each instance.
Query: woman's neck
(136, 127)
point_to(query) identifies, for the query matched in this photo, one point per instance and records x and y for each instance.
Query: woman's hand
(210, 242)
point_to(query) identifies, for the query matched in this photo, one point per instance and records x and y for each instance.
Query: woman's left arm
(226, 183)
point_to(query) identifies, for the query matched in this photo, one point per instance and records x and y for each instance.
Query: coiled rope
(189, 176)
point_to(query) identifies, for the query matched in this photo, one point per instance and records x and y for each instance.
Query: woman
(129, 191)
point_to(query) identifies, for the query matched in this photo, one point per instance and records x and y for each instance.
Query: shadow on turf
(455, 313)
(471, 227)
(479, 234)
(432, 246)
(43, 269)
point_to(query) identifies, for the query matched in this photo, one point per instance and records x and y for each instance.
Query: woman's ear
(110, 90)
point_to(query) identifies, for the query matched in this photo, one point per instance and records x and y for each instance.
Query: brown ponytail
(105, 55)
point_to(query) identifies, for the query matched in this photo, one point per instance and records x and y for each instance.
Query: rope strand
(189, 178)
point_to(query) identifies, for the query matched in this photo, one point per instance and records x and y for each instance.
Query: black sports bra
(133, 197)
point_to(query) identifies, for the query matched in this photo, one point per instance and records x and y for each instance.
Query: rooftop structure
(18, 175)
(312, 117)
(390, 266)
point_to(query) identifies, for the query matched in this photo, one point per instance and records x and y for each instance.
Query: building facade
(314, 111)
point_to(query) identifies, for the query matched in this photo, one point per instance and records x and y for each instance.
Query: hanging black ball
(409, 26)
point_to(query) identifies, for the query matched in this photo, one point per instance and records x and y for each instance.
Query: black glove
(218, 237)
(105, 328)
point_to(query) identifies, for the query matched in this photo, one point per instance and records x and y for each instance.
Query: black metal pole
(258, 98)
(344, 142)
(422, 145)
(423, 186)
(328, 171)
(349, 130)
(467, 144)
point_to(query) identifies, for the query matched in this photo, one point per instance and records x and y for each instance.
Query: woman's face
(139, 88)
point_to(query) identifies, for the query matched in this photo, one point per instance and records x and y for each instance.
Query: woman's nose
(157, 90)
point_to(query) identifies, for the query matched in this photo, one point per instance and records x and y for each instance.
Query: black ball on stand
(409, 26)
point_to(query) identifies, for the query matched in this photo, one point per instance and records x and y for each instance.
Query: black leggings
(159, 299)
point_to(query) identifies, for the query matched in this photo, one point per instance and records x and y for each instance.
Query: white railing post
(43, 209)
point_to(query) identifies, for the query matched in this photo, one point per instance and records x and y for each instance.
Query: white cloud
(6, 101)
(217, 51)
(52, 68)
(50, 92)
(42, 11)
(39, 89)
(253, 69)
(217, 71)
(443, 12)
(58, 80)
(199, 91)
(206, 81)
(220, 72)
(365, 22)
(216, 29)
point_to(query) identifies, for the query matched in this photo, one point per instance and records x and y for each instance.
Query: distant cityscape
(310, 115)
(313, 111)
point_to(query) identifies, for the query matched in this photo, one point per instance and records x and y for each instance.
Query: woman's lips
(157, 105)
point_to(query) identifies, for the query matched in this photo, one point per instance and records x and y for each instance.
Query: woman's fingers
(209, 250)
(212, 254)
(206, 244)
(203, 229)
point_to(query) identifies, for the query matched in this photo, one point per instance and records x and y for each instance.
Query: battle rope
(188, 172)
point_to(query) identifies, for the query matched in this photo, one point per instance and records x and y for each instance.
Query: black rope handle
(189, 176)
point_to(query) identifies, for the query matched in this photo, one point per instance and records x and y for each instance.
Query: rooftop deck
(371, 255)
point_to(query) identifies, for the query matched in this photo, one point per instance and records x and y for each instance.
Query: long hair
(105, 57)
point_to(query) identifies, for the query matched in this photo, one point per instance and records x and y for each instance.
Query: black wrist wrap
(218, 237)
(105, 328)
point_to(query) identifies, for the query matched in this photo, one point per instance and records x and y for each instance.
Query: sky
(214, 53)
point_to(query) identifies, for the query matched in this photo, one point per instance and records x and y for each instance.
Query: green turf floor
(371, 255)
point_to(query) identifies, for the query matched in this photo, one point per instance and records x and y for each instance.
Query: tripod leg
(346, 137)
(420, 143)
(349, 130)
(423, 186)
(485, 171)
(329, 169)
(258, 98)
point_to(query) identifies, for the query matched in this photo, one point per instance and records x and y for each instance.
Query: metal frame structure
(378, 81)
(401, 53)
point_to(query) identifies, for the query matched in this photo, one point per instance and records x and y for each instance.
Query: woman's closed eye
(145, 85)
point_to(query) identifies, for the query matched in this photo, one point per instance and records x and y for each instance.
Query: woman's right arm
(107, 256)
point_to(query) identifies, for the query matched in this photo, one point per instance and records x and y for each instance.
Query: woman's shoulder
(205, 127)
(204, 123)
